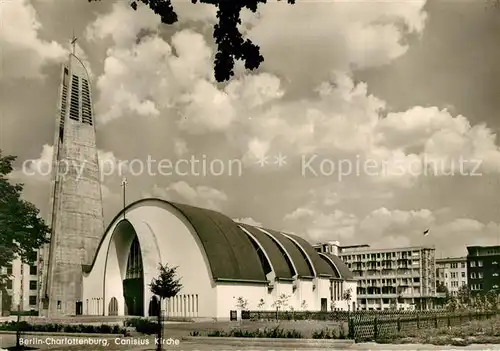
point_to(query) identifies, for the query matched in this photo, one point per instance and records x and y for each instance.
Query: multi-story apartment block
(452, 273)
(22, 287)
(401, 278)
(483, 265)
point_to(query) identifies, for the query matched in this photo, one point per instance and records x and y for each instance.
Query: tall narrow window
(134, 264)
(86, 106)
(74, 109)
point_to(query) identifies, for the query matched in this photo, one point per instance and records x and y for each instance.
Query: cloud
(40, 169)
(200, 196)
(248, 220)
(382, 228)
(341, 36)
(24, 53)
(180, 147)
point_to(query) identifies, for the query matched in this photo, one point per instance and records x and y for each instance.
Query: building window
(33, 270)
(453, 275)
(463, 274)
(473, 275)
(463, 265)
(9, 269)
(476, 286)
(32, 300)
(134, 264)
(473, 263)
(454, 265)
(33, 284)
(480, 275)
(9, 284)
(479, 263)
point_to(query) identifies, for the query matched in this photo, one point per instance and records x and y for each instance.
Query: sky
(367, 123)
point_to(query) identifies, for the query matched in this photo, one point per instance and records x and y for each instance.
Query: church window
(134, 264)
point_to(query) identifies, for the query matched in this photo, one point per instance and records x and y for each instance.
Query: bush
(274, 333)
(143, 325)
(329, 334)
(68, 328)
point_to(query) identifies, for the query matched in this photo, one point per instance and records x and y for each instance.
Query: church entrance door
(113, 307)
(133, 284)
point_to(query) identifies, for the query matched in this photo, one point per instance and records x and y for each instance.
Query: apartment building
(22, 288)
(452, 273)
(483, 266)
(398, 278)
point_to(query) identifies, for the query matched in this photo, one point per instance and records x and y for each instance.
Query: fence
(371, 325)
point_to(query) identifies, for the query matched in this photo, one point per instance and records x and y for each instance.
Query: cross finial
(73, 41)
(124, 185)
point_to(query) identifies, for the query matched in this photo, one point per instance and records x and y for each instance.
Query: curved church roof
(232, 255)
(282, 266)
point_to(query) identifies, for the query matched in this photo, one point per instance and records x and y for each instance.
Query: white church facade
(218, 261)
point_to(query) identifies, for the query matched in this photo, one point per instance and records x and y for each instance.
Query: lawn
(306, 328)
(474, 332)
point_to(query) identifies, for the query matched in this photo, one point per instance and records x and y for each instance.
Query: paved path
(58, 343)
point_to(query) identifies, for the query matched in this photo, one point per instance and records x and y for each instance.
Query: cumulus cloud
(24, 53)
(248, 220)
(40, 169)
(341, 36)
(383, 227)
(200, 196)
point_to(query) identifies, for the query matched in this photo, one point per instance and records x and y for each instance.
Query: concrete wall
(346, 305)
(228, 294)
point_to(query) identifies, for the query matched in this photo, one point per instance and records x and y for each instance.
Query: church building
(218, 261)
(89, 270)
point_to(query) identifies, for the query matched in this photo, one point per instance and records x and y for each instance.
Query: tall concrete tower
(76, 212)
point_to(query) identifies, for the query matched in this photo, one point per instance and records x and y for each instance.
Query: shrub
(275, 333)
(68, 328)
(329, 334)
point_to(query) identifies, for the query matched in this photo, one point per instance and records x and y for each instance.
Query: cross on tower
(73, 42)
(124, 186)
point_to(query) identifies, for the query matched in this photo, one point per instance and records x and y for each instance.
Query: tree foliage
(441, 288)
(241, 303)
(167, 284)
(22, 230)
(281, 302)
(231, 45)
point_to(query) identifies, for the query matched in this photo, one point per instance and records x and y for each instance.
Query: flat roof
(396, 249)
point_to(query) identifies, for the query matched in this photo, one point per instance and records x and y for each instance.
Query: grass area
(474, 332)
(306, 329)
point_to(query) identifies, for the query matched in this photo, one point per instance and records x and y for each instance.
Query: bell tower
(76, 211)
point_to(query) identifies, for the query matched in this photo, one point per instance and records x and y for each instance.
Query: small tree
(492, 298)
(261, 304)
(463, 295)
(332, 306)
(280, 303)
(303, 305)
(165, 286)
(241, 303)
(347, 296)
